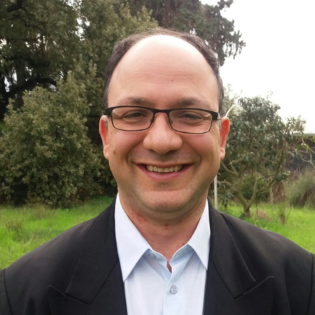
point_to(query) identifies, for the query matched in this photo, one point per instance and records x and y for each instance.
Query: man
(161, 248)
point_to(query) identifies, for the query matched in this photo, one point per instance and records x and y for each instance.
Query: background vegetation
(259, 146)
(52, 60)
(301, 190)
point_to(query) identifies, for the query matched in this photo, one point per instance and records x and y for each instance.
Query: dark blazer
(250, 272)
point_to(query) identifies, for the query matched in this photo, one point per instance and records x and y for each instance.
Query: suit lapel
(218, 300)
(96, 285)
(230, 286)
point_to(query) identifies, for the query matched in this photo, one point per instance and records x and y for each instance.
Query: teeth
(164, 170)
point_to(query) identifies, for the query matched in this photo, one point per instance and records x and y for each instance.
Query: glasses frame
(215, 116)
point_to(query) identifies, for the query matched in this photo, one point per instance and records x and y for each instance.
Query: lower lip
(164, 176)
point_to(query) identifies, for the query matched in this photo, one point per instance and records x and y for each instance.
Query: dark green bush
(45, 154)
(301, 191)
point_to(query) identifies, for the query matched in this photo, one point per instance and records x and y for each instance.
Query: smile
(171, 169)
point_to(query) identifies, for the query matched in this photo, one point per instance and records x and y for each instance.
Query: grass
(24, 229)
(299, 226)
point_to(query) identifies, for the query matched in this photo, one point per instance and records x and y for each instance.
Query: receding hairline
(171, 38)
(146, 43)
(125, 45)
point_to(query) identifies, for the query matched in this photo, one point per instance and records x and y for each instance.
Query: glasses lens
(190, 120)
(131, 118)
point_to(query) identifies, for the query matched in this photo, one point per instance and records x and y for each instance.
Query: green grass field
(23, 229)
(299, 226)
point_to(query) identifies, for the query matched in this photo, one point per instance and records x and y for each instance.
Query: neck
(166, 236)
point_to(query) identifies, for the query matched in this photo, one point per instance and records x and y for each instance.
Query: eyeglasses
(185, 120)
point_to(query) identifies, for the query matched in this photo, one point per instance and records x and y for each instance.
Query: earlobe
(224, 132)
(103, 129)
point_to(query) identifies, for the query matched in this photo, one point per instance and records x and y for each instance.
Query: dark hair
(121, 48)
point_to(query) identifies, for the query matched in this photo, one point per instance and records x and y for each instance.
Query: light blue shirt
(150, 288)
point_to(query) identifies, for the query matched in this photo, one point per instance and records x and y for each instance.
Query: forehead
(162, 63)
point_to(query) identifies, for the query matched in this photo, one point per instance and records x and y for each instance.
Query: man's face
(163, 72)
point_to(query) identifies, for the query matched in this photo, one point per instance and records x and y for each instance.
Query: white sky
(279, 55)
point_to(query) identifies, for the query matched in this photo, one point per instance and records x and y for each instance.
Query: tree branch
(28, 84)
(228, 170)
(17, 5)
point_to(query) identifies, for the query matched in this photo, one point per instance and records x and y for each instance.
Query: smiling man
(161, 248)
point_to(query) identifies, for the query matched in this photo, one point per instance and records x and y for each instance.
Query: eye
(134, 114)
(131, 114)
(189, 116)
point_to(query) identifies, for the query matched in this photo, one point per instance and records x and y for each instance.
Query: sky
(279, 56)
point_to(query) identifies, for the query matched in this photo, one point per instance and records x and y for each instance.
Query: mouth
(170, 169)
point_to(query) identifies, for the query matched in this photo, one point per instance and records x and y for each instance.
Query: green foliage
(247, 189)
(44, 150)
(301, 191)
(42, 40)
(259, 145)
(38, 40)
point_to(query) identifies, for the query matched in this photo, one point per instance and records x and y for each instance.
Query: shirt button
(174, 289)
(152, 255)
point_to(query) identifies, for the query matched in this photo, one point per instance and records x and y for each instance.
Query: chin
(168, 202)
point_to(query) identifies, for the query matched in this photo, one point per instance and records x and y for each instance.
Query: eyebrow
(134, 101)
(184, 102)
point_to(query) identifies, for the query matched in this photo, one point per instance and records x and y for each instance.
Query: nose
(161, 138)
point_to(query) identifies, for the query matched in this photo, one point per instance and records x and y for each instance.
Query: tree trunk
(247, 211)
(246, 204)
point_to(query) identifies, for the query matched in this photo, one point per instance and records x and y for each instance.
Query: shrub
(45, 154)
(301, 191)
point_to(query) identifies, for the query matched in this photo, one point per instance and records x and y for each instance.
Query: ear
(224, 132)
(103, 128)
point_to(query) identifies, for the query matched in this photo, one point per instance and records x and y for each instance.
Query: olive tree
(259, 144)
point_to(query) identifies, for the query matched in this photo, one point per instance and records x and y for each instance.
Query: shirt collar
(200, 240)
(131, 245)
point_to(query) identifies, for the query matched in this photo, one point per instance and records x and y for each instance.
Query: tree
(41, 41)
(258, 147)
(193, 16)
(45, 154)
(37, 169)
(37, 42)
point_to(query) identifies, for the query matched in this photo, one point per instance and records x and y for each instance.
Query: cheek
(207, 147)
(121, 144)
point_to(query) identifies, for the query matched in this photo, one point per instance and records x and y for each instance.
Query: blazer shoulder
(57, 256)
(52, 263)
(266, 253)
(270, 251)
